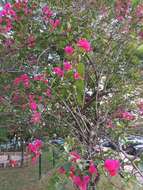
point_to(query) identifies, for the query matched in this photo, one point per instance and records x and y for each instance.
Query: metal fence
(23, 177)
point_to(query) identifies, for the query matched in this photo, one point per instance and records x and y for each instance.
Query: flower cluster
(82, 172)
(11, 13)
(24, 79)
(34, 148)
(36, 116)
(83, 44)
(127, 116)
(7, 15)
(47, 17)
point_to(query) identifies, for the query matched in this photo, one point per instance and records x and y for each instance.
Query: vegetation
(74, 68)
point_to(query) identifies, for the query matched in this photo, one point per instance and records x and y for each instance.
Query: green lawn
(25, 178)
(18, 178)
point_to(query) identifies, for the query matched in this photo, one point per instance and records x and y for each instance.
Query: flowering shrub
(80, 69)
(80, 172)
(84, 173)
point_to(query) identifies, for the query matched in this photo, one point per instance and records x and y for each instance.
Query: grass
(18, 178)
(25, 178)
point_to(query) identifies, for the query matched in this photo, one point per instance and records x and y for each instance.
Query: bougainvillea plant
(84, 173)
(75, 67)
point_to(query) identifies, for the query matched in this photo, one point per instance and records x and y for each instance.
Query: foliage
(74, 66)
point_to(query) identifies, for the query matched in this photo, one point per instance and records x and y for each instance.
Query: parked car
(59, 141)
(132, 145)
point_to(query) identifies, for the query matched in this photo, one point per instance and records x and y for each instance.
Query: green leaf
(67, 166)
(135, 2)
(81, 69)
(139, 51)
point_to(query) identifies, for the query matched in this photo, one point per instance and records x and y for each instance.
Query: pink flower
(8, 28)
(17, 81)
(3, 12)
(32, 148)
(36, 118)
(74, 156)
(76, 76)
(112, 166)
(33, 106)
(84, 44)
(72, 169)
(127, 116)
(67, 66)
(92, 168)
(25, 79)
(69, 50)
(38, 143)
(35, 147)
(47, 11)
(61, 170)
(12, 12)
(7, 6)
(82, 183)
(58, 71)
(54, 23)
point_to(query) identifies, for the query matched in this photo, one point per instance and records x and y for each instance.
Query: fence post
(40, 159)
(53, 152)
(22, 152)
